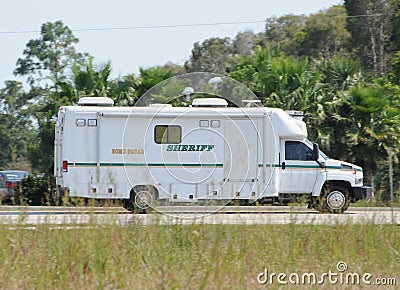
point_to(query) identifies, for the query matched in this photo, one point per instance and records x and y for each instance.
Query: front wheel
(334, 200)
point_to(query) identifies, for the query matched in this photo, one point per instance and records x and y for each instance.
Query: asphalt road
(84, 216)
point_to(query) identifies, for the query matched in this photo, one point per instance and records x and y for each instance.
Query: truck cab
(333, 184)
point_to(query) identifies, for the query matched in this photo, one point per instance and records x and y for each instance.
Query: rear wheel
(141, 198)
(334, 200)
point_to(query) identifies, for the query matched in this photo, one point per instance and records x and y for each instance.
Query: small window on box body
(204, 123)
(92, 122)
(215, 123)
(167, 134)
(80, 122)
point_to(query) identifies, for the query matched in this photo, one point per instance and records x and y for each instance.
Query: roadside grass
(194, 256)
(377, 201)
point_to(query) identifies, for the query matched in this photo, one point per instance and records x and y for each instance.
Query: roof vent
(96, 101)
(156, 105)
(210, 103)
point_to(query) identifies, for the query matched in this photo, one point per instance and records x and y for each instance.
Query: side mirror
(315, 152)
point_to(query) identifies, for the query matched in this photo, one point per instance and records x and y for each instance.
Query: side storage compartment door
(241, 150)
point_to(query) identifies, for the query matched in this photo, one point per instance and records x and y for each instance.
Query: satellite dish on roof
(215, 81)
(187, 92)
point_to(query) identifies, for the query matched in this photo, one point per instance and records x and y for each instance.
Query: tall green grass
(188, 256)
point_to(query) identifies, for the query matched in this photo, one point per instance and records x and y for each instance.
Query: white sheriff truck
(205, 152)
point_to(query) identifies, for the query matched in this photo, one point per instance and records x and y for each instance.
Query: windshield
(323, 155)
(15, 175)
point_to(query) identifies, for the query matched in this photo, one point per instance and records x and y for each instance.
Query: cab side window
(295, 150)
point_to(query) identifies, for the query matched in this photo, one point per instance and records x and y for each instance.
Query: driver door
(297, 169)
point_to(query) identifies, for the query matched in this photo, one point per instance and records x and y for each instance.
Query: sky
(137, 45)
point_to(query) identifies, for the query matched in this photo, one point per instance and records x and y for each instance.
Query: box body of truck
(190, 154)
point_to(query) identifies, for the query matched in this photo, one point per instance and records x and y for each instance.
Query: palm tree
(288, 83)
(372, 125)
(85, 82)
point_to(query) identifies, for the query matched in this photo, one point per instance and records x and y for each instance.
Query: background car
(9, 182)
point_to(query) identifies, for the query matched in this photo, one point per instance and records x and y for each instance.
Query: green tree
(212, 55)
(369, 118)
(336, 75)
(339, 74)
(16, 129)
(352, 121)
(13, 98)
(7, 140)
(149, 77)
(381, 177)
(46, 63)
(325, 33)
(277, 79)
(49, 56)
(41, 148)
(244, 42)
(286, 33)
(151, 86)
(86, 82)
(369, 24)
(130, 88)
(395, 25)
(394, 75)
(123, 90)
(291, 84)
(89, 81)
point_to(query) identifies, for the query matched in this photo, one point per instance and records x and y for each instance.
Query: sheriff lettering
(190, 147)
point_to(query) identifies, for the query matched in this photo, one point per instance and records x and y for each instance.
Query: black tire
(128, 205)
(334, 200)
(141, 198)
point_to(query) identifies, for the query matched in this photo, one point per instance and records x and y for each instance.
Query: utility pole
(391, 181)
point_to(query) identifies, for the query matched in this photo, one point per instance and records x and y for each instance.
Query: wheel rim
(336, 200)
(143, 199)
